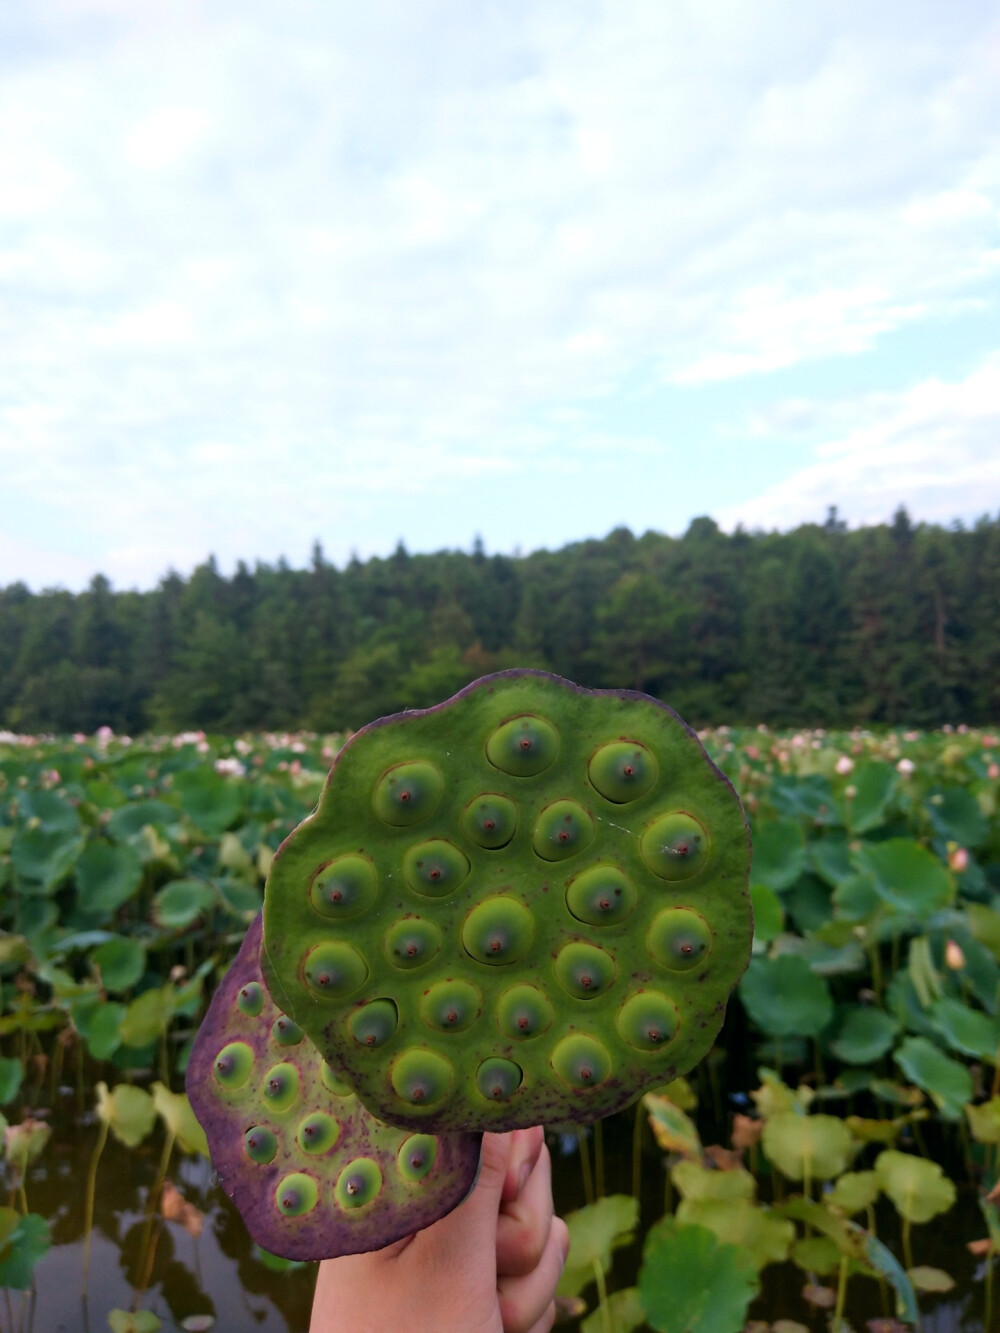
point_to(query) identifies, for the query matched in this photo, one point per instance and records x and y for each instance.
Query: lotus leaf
(175, 1111)
(984, 1121)
(624, 1310)
(874, 784)
(761, 1234)
(768, 913)
(695, 1181)
(181, 902)
(948, 1083)
(121, 962)
(966, 1030)
(128, 1111)
(106, 876)
(918, 1188)
(930, 1279)
(785, 998)
(11, 1074)
(595, 1232)
(813, 1147)
(147, 1017)
(816, 1254)
(21, 1251)
(690, 1282)
(779, 853)
(864, 1034)
(853, 1192)
(673, 1130)
(908, 877)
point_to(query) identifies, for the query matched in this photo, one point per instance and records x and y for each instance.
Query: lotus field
(833, 1163)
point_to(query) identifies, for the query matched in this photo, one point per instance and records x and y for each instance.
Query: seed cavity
(296, 1195)
(601, 896)
(374, 1023)
(260, 1144)
(250, 1000)
(422, 1078)
(281, 1087)
(412, 942)
(679, 939)
(648, 1021)
(435, 868)
(498, 931)
(622, 771)
(408, 793)
(358, 1184)
(675, 846)
(584, 971)
(523, 746)
(334, 969)
(581, 1061)
(490, 820)
(416, 1157)
(344, 889)
(451, 1006)
(285, 1032)
(233, 1065)
(561, 830)
(317, 1134)
(498, 1079)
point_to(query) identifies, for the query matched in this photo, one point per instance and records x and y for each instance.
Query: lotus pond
(832, 1164)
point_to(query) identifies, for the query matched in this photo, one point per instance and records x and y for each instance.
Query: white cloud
(932, 448)
(254, 264)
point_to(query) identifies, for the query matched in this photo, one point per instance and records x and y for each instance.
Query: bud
(844, 764)
(905, 767)
(958, 859)
(953, 956)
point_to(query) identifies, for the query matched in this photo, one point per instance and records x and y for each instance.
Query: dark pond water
(218, 1273)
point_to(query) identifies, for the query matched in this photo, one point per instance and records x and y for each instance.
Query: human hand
(490, 1266)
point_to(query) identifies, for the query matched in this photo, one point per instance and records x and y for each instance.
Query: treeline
(898, 623)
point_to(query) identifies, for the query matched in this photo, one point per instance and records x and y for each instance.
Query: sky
(420, 271)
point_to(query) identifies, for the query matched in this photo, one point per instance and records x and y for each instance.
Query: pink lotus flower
(953, 956)
(844, 765)
(905, 767)
(958, 859)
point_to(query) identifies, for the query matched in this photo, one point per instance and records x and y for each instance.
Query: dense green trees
(889, 624)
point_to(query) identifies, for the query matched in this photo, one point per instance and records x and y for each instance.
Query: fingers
(525, 1147)
(526, 1304)
(524, 1223)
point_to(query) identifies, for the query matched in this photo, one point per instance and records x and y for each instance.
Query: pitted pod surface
(525, 905)
(312, 1172)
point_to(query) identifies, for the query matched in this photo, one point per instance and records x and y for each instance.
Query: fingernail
(522, 1176)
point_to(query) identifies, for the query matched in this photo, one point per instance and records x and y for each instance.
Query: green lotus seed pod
(412, 942)
(584, 971)
(260, 1144)
(622, 771)
(344, 889)
(498, 1079)
(601, 896)
(408, 793)
(421, 1078)
(581, 1061)
(567, 820)
(490, 820)
(523, 747)
(524, 1011)
(250, 1000)
(234, 1064)
(679, 939)
(498, 931)
(451, 1006)
(416, 1157)
(374, 1023)
(561, 830)
(436, 868)
(675, 846)
(281, 1087)
(285, 1032)
(333, 1082)
(359, 1183)
(334, 970)
(647, 1021)
(317, 1134)
(297, 1194)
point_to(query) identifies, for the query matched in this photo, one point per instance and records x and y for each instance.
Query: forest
(897, 623)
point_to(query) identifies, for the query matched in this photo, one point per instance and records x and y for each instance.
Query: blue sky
(421, 270)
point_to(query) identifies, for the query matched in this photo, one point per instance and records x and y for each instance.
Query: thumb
(474, 1222)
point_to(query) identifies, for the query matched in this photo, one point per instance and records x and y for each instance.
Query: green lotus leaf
(134, 1321)
(768, 913)
(673, 1130)
(131, 819)
(817, 1147)
(966, 1030)
(595, 1232)
(853, 1192)
(11, 1074)
(624, 1310)
(210, 802)
(864, 1034)
(930, 1279)
(181, 902)
(147, 1017)
(23, 1248)
(695, 1181)
(830, 858)
(785, 998)
(761, 1234)
(984, 1121)
(918, 1187)
(690, 1282)
(106, 877)
(121, 962)
(174, 1110)
(779, 853)
(874, 784)
(908, 877)
(948, 1083)
(128, 1111)
(956, 817)
(816, 1254)
(42, 858)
